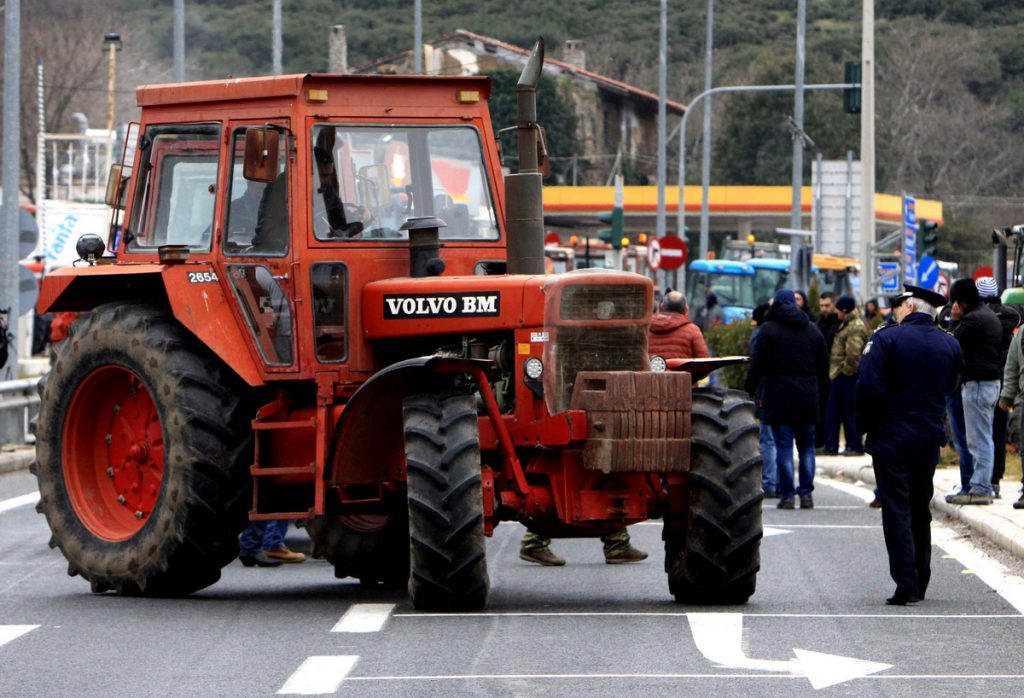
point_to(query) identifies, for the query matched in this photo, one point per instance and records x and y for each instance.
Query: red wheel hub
(113, 453)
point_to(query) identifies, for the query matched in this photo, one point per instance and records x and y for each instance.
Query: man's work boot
(284, 555)
(970, 498)
(541, 556)
(258, 559)
(1019, 504)
(621, 556)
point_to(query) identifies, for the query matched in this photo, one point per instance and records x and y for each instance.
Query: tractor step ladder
(281, 492)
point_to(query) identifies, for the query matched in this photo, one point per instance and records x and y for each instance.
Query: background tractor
(321, 300)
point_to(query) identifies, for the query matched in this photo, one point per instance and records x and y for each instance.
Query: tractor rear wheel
(373, 548)
(446, 532)
(712, 549)
(143, 448)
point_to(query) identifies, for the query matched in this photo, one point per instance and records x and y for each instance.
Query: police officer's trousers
(905, 486)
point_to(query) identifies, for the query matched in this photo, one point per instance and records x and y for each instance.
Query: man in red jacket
(673, 335)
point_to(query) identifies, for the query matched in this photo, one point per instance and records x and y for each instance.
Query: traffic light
(928, 234)
(851, 95)
(613, 234)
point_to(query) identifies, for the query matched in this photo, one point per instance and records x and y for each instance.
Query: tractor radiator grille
(595, 349)
(604, 302)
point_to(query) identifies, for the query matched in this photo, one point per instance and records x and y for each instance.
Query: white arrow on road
(719, 637)
(13, 632)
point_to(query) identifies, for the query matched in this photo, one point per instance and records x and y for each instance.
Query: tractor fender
(193, 292)
(368, 442)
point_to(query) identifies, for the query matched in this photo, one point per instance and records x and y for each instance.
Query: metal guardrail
(21, 395)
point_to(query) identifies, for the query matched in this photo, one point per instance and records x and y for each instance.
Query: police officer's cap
(929, 297)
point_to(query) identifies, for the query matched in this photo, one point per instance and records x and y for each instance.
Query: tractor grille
(595, 348)
(603, 302)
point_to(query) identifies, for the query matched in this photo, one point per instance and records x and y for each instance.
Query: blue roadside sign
(909, 239)
(927, 272)
(889, 275)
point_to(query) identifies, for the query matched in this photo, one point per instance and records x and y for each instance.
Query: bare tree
(936, 136)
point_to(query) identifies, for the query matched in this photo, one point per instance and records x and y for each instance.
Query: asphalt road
(817, 624)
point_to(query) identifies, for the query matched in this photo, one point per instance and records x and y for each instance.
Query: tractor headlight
(658, 364)
(534, 368)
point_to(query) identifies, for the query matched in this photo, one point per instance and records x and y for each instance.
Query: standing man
(980, 336)
(788, 373)
(846, 351)
(673, 335)
(1009, 320)
(828, 322)
(769, 456)
(905, 375)
(1013, 385)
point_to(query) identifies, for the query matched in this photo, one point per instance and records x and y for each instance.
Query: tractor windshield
(367, 181)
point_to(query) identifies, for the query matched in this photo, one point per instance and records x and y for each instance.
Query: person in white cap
(1010, 319)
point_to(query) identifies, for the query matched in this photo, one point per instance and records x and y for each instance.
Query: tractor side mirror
(261, 153)
(116, 188)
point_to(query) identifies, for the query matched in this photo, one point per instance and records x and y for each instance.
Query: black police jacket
(902, 383)
(788, 367)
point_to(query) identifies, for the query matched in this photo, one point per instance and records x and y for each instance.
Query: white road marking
(364, 618)
(988, 570)
(769, 531)
(836, 526)
(719, 637)
(683, 614)
(15, 502)
(13, 632)
(600, 677)
(318, 675)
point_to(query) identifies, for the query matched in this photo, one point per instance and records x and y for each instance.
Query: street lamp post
(112, 42)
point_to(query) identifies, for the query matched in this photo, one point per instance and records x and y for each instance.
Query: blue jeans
(955, 412)
(769, 466)
(262, 535)
(842, 411)
(980, 398)
(803, 435)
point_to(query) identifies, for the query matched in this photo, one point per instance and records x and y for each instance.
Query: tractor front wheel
(712, 545)
(446, 532)
(143, 446)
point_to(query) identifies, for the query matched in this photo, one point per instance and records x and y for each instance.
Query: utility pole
(10, 428)
(276, 43)
(798, 262)
(706, 153)
(417, 42)
(662, 89)
(179, 40)
(867, 151)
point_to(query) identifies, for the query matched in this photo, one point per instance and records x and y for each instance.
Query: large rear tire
(373, 548)
(143, 449)
(446, 533)
(712, 549)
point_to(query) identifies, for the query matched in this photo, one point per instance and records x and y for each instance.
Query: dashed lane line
(684, 614)
(13, 632)
(319, 675)
(364, 618)
(15, 502)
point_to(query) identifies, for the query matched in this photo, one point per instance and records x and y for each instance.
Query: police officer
(905, 375)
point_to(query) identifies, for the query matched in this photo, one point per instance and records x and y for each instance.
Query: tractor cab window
(367, 181)
(176, 187)
(257, 212)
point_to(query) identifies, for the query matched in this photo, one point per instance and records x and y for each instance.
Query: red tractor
(321, 300)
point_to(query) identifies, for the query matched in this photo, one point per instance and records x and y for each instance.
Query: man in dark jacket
(788, 374)
(673, 335)
(1009, 319)
(904, 377)
(980, 336)
(828, 322)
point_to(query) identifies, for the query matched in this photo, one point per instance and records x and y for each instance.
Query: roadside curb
(1007, 534)
(17, 459)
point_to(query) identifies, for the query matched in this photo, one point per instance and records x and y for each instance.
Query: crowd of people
(930, 372)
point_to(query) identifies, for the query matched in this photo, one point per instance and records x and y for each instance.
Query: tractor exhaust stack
(524, 208)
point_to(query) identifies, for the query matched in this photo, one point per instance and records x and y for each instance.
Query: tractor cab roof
(325, 88)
